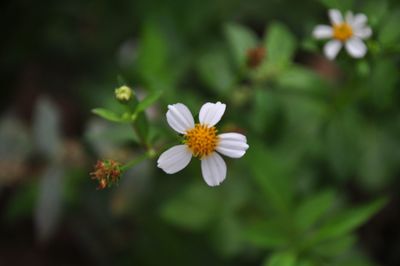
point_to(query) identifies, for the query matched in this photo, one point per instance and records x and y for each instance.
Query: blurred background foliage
(318, 185)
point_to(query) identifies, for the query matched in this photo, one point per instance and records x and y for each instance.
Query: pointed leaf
(281, 259)
(280, 44)
(111, 116)
(348, 220)
(240, 39)
(312, 208)
(147, 102)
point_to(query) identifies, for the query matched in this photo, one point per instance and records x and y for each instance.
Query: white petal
(213, 169)
(179, 118)
(233, 145)
(359, 20)
(211, 113)
(335, 16)
(322, 32)
(332, 48)
(174, 159)
(349, 17)
(363, 33)
(356, 47)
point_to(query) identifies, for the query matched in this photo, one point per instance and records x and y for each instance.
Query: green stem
(136, 161)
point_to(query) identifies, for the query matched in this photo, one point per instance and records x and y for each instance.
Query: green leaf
(335, 247)
(280, 44)
(216, 72)
(312, 209)
(271, 233)
(281, 259)
(342, 5)
(149, 100)
(226, 236)
(301, 78)
(273, 173)
(22, 202)
(111, 116)
(390, 34)
(265, 110)
(375, 11)
(343, 143)
(152, 52)
(240, 39)
(348, 220)
(193, 208)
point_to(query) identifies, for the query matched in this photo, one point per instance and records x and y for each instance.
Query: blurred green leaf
(348, 220)
(301, 78)
(343, 143)
(22, 203)
(389, 33)
(375, 11)
(153, 53)
(265, 109)
(192, 208)
(270, 233)
(342, 5)
(281, 259)
(227, 238)
(111, 116)
(273, 173)
(147, 102)
(240, 39)
(280, 45)
(216, 72)
(313, 208)
(335, 247)
(381, 83)
(379, 158)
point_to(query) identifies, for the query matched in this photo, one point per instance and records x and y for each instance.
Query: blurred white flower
(201, 140)
(349, 32)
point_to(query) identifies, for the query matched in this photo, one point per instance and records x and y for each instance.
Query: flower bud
(123, 93)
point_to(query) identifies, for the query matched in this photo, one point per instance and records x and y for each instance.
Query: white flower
(349, 32)
(201, 140)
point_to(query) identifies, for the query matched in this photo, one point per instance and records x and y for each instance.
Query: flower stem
(136, 161)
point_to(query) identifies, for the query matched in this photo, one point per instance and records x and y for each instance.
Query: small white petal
(179, 118)
(213, 168)
(335, 16)
(332, 48)
(359, 20)
(363, 33)
(211, 113)
(322, 32)
(174, 159)
(356, 47)
(233, 145)
(349, 17)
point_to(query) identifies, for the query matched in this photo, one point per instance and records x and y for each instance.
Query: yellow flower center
(342, 31)
(201, 140)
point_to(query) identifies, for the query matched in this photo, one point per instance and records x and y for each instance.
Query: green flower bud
(123, 93)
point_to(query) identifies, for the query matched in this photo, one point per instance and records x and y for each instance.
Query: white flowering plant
(241, 134)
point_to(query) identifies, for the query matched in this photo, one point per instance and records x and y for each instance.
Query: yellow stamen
(201, 140)
(342, 31)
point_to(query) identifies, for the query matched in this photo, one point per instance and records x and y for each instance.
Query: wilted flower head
(107, 172)
(201, 140)
(255, 56)
(349, 32)
(123, 93)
